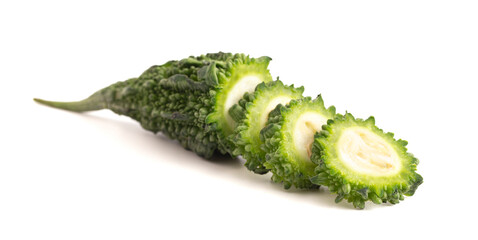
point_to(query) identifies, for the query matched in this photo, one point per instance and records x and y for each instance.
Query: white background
(411, 64)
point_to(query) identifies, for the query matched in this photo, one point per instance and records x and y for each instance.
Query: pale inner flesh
(306, 126)
(272, 104)
(245, 84)
(367, 153)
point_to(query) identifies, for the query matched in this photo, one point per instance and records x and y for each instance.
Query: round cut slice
(360, 162)
(252, 113)
(288, 138)
(241, 76)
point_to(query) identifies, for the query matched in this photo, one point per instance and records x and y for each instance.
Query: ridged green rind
(187, 96)
(248, 113)
(176, 98)
(241, 66)
(173, 98)
(281, 157)
(355, 187)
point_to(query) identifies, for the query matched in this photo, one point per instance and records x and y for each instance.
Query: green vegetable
(360, 162)
(222, 102)
(288, 138)
(251, 114)
(186, 100)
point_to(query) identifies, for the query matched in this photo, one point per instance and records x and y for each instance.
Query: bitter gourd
(360, 162)
(288, 138)
(187, 100)
(221, 102)
(251, 114)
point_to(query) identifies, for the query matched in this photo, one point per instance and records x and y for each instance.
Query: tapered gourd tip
(38, 100)
(92, 103)
(50, 103)
(44, 102)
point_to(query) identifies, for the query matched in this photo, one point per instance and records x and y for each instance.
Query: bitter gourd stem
(94, 102)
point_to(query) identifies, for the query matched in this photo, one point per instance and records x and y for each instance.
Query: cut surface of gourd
(252, 113)
(246, 84)
(306, 126)
(360, 162)
(288, 138)
(241, 77)
(365, 152)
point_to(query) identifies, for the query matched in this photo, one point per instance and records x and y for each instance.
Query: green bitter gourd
(194, 101)
(360, 162)
(251, 114)
(288, 138)
(187, 100)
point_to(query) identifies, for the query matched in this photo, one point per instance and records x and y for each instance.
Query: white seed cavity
(367, 153)
(306, 126)
(245, 84)
(272, 104)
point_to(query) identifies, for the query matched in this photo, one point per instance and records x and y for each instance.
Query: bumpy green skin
(248, 113)
(177, 98)
(281, 159)
(354, 187)
(185, 101)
